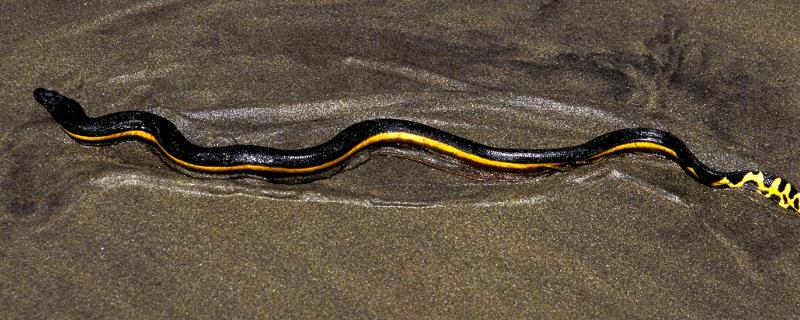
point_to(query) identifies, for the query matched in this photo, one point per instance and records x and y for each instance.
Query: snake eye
(49, 99)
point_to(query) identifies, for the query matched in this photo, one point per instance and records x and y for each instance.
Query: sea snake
(271, 162)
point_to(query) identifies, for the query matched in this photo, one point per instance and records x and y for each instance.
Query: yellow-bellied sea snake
(271, 162)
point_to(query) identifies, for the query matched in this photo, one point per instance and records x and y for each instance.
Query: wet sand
(113, 232)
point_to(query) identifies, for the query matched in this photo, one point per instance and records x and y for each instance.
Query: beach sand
(114, 232)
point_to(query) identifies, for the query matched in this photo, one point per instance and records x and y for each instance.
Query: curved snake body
(271, 162)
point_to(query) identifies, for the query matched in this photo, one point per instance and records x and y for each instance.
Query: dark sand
(114, 233)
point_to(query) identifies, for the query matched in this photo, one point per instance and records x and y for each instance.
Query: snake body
(271, 162)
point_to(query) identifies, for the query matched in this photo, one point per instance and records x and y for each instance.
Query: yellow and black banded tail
(764, 184)
(323, 160)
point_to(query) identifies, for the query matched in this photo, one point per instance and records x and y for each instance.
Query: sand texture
(114, 232)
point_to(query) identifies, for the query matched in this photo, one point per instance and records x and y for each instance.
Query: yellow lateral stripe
(767, 191)
(637, 146)
(382, 137)
(691, 170)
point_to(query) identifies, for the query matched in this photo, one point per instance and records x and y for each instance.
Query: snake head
(59, 106)
(51, 100)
